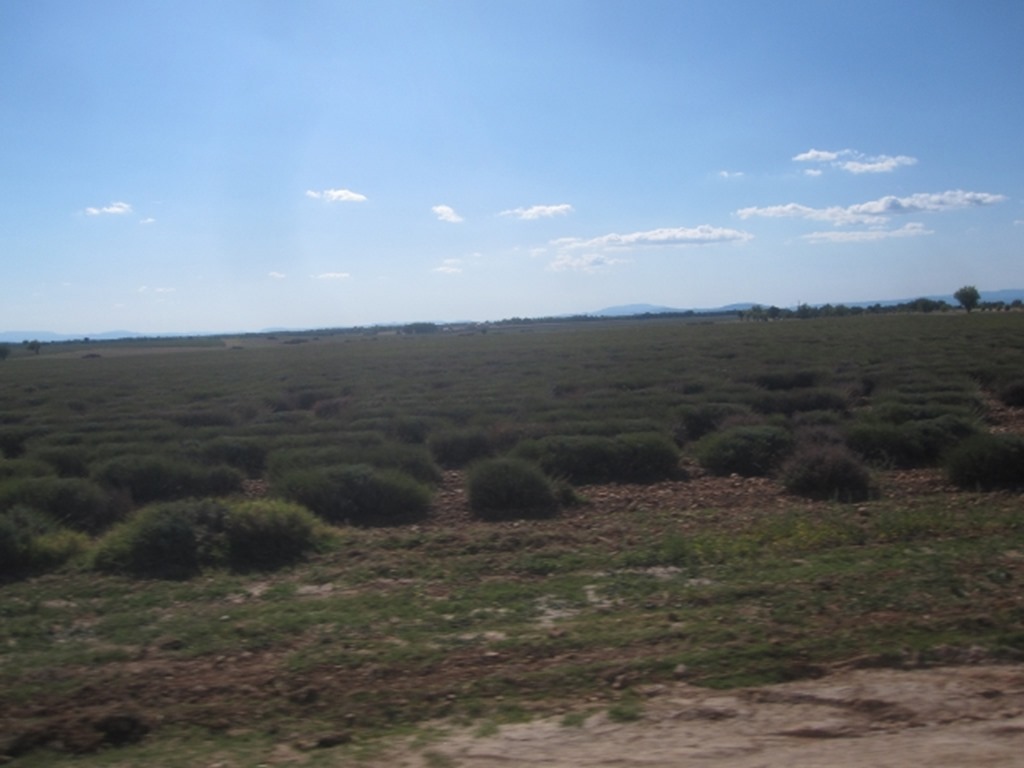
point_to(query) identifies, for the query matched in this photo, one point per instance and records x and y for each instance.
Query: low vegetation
(319, 543)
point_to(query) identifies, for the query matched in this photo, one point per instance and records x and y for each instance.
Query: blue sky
(237, 165)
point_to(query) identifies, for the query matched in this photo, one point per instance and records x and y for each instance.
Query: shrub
(646, 458)
(1012, 394)
(269, 533)
(504, 489)
(787, 379)
(77, 503)
(911, 443)
(411, 429)
(12, 442)
(246, 454)
(31, 541)
(699, 420)
(639, 458)
(18, 526)
(747, 451)
(204, 418)
(330, 408)
(411, 460)
(161, 478)
(67, 461)
(357, 494)
(176, 540)
(158, 542)
(789, 402)
(827, 471)
(15, 468)
(457, 448)
(987, 462)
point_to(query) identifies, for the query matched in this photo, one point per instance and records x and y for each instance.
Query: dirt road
(952, 716)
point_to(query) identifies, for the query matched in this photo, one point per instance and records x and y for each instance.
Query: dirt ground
(950, 716)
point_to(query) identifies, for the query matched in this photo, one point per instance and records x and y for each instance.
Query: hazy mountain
(1008, 296)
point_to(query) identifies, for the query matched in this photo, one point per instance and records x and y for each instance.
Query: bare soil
(854, 718)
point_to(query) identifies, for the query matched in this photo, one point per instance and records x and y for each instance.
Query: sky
(203, 167)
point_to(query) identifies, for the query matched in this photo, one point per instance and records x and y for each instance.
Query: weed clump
(827, 471)
(357, 494)
(746, 450)
(247, 454)
(73, 502)
(509, 488)
(67, 461)
(790, 401)
(695, 421)
(270, 533)
(31, 541)
(164, 478)
(909, 444)
(632, 458)
(987, 462)
(453, 449)
(176, 540)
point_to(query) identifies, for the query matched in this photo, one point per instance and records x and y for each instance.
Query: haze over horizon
(240, 165)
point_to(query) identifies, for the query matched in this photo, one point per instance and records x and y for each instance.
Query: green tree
(5, 351)
(968, 297)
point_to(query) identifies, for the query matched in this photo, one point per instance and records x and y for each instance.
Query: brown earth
(854, 718)
(954, 715)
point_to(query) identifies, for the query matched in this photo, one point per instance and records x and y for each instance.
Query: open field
(727, 566)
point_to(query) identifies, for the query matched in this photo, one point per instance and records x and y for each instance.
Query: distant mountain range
(623, 310)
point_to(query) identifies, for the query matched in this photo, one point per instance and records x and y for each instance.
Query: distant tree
(4, 351)
(34, 346)
(968, 297)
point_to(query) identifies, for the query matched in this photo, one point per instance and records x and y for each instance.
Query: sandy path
(957, 716)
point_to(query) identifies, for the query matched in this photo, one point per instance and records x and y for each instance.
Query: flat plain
(722, 572)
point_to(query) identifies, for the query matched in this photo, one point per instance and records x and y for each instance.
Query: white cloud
(336, 195)
(147, 289)
(877, 211)
(148, 220)
(730, 174)
(277, 275)
(879, 164)
(446, 213)
(450, 267)
(114, 209)
(590, 262)
(913, 229)
(332, 276)
(539, 211)
(705, 234)
(813, 171)
(817, 156)
(852, 161)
